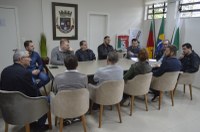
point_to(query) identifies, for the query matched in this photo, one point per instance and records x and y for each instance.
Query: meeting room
(99, 65)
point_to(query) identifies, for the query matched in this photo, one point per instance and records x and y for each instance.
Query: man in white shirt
(111, 71)
(71, 78)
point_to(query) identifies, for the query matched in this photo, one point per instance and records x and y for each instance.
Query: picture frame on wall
(65, 21)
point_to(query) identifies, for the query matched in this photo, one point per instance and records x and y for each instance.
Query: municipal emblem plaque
(65, 17)
(65, 22)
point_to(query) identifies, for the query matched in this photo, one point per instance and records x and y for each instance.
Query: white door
(8, 35)
(97, 30)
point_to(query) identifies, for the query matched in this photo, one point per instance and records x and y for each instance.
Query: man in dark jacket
(104, 48)
(17, 78)
(189, 59)
(84, 54)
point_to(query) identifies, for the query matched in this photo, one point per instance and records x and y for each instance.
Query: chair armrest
(52, 95)
(92, 86)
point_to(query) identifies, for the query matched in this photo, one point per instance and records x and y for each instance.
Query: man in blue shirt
(133, 50)
(169, 64)
(36, 65)
(160, 54)
(84, 54)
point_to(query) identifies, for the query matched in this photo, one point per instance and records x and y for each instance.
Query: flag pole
(154, 32)
(164, 13)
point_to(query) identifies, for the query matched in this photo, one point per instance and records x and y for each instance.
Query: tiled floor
(183, 117)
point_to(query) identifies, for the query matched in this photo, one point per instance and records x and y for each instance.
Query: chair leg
(119, 112)
(100, 115)
(175, 88)
(172, 97)
(184, 88)
(61, 124)
(27, 127)
(45, 90)
(6, 127)
(84, 122)
(49, 119)
(131, 107)
(56, 121)
(111, 107)
(190, 85)
(91, 105)
(160, 99)
(52, 85)
(146, 103)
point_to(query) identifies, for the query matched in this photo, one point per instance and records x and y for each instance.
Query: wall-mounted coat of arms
(65, 19)
(65, 22)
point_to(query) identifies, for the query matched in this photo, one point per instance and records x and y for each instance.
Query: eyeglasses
(25, 56)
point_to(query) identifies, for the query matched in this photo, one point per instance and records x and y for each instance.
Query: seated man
(84, 54)
(160, 54)
(104, 48)
(169, 64)
(189, 59)
(111, 72)
(60, 52)
(133, 50)
(17, 78)
(36, 65)
(70, 79)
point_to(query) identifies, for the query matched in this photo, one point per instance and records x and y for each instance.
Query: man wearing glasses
(160, 54)
(16, 77)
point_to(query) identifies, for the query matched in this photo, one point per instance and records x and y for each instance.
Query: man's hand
(35, 72)
(130, 53)
(181, 56)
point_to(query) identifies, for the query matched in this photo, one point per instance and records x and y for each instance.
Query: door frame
(97, 14)
(16, 20)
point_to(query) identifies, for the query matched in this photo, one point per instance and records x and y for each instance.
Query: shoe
(155, 98)
(67, 122)
(74, 120)
(150, 92)
(34, 125)
(123, 101)
(43, 128)
(95, 107)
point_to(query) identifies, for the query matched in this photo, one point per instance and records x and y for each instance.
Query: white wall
(35, 17)
(30, 19)
(123, 16)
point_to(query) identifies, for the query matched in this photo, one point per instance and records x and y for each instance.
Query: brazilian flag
(161, 37)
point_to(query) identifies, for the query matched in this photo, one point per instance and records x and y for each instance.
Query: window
(190, 8)
(156, 10)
